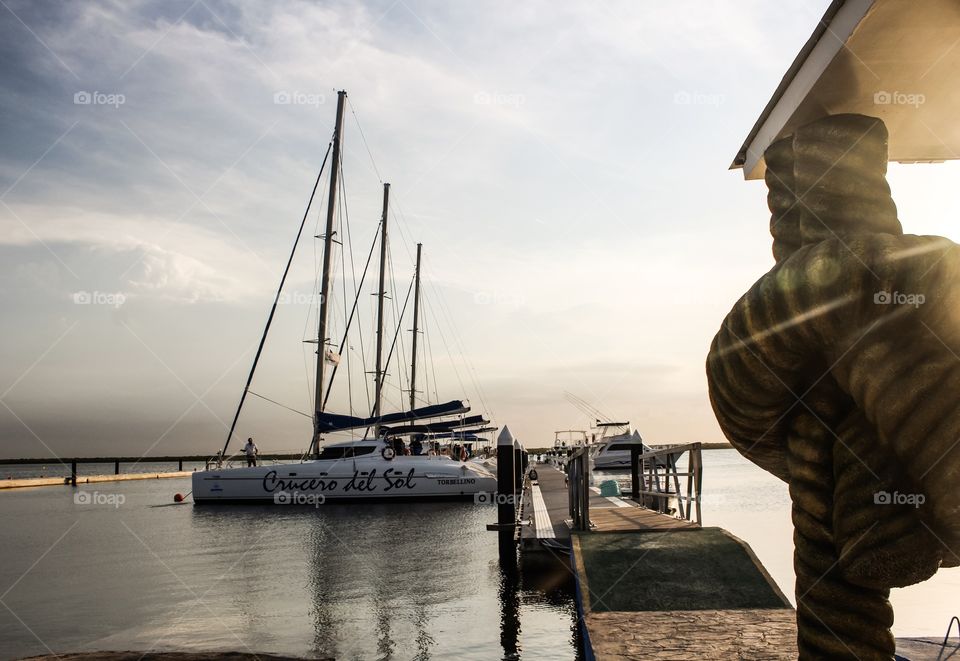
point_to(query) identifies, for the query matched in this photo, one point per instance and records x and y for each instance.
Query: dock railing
(656, 479)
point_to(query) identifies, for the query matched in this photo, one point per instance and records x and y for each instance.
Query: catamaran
(380, 465)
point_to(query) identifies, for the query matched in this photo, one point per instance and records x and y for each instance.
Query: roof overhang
(893, 59)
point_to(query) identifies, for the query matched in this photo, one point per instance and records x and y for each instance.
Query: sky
(564, 164)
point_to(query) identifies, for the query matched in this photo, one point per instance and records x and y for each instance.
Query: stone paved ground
(747, 635)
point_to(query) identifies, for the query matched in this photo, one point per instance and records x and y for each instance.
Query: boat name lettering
(272, 483)
(395, 480)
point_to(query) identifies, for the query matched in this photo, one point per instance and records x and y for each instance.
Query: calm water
(351, 582)
(354, 582)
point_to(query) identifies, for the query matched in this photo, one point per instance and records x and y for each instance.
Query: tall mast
(416, 319)
(381, 294)
(325, 282)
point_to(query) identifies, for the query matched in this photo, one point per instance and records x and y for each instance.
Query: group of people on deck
(461, 452)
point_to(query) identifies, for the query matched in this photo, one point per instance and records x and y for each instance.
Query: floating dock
(86, 479)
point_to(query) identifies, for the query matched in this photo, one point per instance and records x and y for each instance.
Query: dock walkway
(653, 586)
(545, 511)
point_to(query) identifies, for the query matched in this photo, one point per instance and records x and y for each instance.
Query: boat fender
(534, 476)
(388, 453)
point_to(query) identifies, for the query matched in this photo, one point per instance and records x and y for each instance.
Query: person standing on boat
(251, 451)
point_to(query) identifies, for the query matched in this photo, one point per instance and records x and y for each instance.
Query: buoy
(178, 498)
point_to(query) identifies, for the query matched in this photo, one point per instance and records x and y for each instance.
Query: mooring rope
(837, 372)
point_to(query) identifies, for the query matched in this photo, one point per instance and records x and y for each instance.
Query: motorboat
(613, 451)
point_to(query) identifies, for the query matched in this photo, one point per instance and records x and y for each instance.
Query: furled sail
(331, 422)
(439, 427)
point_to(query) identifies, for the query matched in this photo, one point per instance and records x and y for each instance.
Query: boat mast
(325, 282)
(416, 318)
(381, 294)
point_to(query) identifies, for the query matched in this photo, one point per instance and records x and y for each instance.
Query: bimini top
(892, 59)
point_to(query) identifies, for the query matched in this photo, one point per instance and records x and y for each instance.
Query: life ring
(388, 453)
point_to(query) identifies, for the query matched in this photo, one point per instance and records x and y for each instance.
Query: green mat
(662, 571)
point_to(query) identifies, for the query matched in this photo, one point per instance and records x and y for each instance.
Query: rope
(306, 415)
(364, 140)
(395, 334)
(821, 377)
(276, 299)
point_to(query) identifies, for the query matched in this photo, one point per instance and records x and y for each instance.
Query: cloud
(568, 206)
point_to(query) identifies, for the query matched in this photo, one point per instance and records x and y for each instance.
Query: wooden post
(635, 472)
(180, 466)
(116, 467)
(73, 472)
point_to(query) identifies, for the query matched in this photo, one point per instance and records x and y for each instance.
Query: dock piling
(517, 466)
(116, 467)
(73, 472)
(506, 492)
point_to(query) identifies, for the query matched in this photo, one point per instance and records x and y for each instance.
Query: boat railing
(656, 480)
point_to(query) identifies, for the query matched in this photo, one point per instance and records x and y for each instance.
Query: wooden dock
(545, 513)
(654, 586)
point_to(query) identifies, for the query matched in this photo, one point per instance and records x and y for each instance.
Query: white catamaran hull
(318, 481)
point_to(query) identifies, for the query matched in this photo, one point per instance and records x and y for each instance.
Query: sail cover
(331, 422)
(441, 426)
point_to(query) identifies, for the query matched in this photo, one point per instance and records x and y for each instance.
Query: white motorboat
(377, 467)
(613, 452)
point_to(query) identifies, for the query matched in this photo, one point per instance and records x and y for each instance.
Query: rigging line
(471, 369)
(346, 326)
(433, 365)
(363, 138)
(349, 322)
(398, 318)
(446, 345)
(396, 333)
(316, 288)
(357, 288)
(276, 299)
(272, 401)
